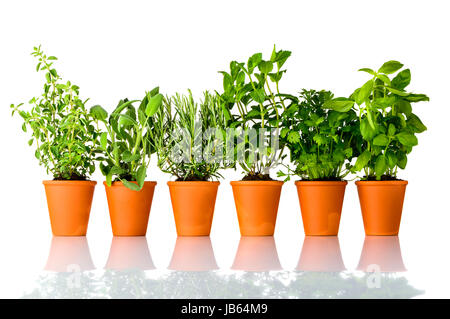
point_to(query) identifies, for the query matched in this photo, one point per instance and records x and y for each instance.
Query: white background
(117, 49)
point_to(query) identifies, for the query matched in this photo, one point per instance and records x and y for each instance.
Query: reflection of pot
(383, 253)
(193, 253)
(256, 253)
(69, 254)
(321, 253)
(129, 252)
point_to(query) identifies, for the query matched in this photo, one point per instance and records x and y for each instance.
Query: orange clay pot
(321, 206)
(381, 206)
(129, 210)
(193, 206)
(69, 205)
(257, 206)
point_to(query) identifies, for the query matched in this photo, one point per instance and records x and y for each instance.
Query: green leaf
(258, 95)
(417, 97)
(370, 71)
(381, 140)
(98, 113)
(391, 130)
(253, 61)
(109, 178)
(397, 92)
(380, 166)
(407, 139)
(126, 120)
(340, 104)
(402, 79)
(390, 67)
(402, 160)
(127, 157)
(103, 140)
(265, 67)
(364, 92)
(131, 185)
(415, 123)
(154, 103)
(367, 131)
(293, 137)
(404, 107)
(140, 176)
(50, 58)
(362, 160)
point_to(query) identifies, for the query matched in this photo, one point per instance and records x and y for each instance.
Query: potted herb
(388, 128)
(190, 148)
(127, 145)
(253, 106)
(320, 142)
(65, 142)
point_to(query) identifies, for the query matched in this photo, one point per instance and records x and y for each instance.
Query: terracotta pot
(129, 253)
(257, 253)
(382, 253)
(129, 210)
(322, 254)
(381, 206)
(257, 206)
(193, 206)
(193, 253)
(321, 206)
(69, 204)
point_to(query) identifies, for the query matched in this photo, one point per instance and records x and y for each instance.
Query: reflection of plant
(136, 284)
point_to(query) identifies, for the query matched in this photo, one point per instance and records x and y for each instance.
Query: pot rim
(68, 182)
(256, 183)
(192, 183)
(381, 183)
(119, 183)
(320, 183)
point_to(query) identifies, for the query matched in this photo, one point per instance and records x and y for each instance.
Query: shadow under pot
(193, 206)
(129, 210)
(381, 206)
(69, 205)
(257, 206)
(321, 206)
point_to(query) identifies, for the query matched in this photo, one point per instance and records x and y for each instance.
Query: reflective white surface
(256, 271)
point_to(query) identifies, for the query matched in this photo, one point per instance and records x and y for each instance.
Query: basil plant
(387, 123)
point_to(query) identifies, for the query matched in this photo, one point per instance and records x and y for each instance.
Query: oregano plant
(388, 125)
(128, 142)
(321, 141)
(62, 130)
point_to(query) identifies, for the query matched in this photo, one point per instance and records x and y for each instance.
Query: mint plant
(128, 142)
(62, 130)
(388, 125)
(251, 100)
(191, 135)
(320, 141)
